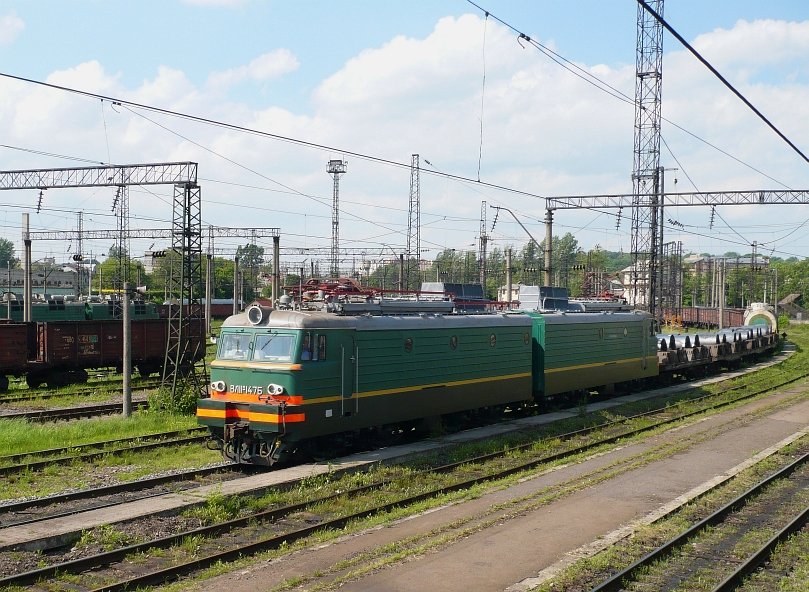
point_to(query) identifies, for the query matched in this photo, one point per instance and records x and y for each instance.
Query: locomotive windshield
(275, 347)
(234, 346)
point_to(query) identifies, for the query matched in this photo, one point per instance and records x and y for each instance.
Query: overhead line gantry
(185, 322)
(761, 197)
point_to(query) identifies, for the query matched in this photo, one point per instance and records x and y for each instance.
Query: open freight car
(60, 352)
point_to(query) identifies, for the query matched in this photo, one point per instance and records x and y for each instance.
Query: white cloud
(10, 28)
(544, 131)
(755, 45)
(263, 68)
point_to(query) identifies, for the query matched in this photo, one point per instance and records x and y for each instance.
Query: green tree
(385, 276)
(110, 274)
(159, 278)
(7, 254)
(223, 278)
(251, 260)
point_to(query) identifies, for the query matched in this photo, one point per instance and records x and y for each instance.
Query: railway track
(729, 524)
(92, 388)
(228, 540)
(18, 513)
(67, 413)
(87, 452)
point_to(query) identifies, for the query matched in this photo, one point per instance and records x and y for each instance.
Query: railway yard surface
(566, 524)
(519, 537)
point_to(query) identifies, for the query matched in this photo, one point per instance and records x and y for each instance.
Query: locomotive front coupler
(235, 431)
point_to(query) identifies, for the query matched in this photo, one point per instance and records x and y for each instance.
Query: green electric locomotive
(284, 378)
(287, 376)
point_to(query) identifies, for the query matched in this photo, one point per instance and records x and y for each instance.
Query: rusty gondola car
(58, 353)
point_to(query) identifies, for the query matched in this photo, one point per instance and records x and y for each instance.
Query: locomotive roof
(562, 318)
(301, 319)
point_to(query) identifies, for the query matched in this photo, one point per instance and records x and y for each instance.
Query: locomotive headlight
(275, 389)
(218, 386)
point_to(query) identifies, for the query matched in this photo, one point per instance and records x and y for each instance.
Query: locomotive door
(348, 371)
(646, 332)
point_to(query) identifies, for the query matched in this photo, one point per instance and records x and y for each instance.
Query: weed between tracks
(788, 570)
(410, 482)
(18, 436)
(216, 509)
(589, 572)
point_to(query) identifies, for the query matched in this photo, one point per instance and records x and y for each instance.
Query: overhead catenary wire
(356, 154)
(721, 78)
(611, 90)
(247, 130)
(482, 94)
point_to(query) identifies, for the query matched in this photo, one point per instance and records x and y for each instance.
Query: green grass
(19, 436)
(107, 537)
(218, 508)
(108, 469)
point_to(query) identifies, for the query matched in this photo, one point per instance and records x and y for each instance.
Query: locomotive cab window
(234, 346)
(276, 347)
(321, 348)
(307, 347)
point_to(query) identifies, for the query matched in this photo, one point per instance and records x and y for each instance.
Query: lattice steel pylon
(646, 239)
(186, 339)
(414, 225)
(335, 168)
(671, 279)
(122, 243)
(186, 233)
(482, 244)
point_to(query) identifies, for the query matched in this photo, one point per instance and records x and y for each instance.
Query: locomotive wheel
(58, 379)
(79, 375)
(34, 380)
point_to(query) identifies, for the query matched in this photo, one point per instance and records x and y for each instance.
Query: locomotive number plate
(246, 390)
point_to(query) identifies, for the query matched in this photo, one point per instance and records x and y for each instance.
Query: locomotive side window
(306, 347)
(274, 348)
(321, 347)
(235, 346)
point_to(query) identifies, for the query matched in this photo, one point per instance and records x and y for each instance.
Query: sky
(372, 81)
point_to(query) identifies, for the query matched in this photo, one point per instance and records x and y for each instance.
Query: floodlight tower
(414, 221)
(483, 240)
(79, 255)
(646, 240)
(336, 168)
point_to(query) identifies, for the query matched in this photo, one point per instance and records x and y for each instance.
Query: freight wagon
(706, 316)
(60, 352)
